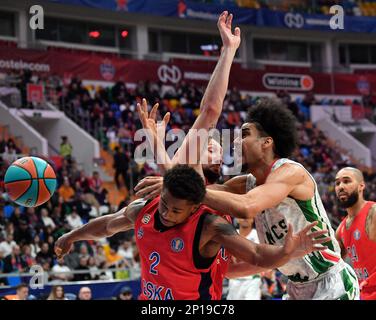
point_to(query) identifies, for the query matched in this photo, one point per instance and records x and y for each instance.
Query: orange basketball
(30, 181)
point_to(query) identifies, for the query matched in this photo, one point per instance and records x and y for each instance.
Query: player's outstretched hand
(305, 241)
(149, 187)
(149, 121)
(63, 246)
(229, 39)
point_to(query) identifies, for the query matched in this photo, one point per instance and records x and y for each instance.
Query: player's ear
(362, 186)
(268, 141)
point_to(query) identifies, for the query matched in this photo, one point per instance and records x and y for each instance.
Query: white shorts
(244, 289)
(339, 283)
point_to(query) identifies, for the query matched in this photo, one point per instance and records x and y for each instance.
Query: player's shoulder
(139, 205)
(242, 178)
(288, 171)
(215, 224)
(341, 227)
(207, 210)
(211, 217)
(371, 213)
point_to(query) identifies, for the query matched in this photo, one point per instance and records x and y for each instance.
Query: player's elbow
(250, 210)
(211, 110)
(110, 229)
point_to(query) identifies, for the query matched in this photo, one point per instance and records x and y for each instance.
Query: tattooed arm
(218, 231)
(101, 227)
(371, 223)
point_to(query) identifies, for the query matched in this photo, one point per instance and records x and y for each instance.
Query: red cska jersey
(222, 263)
(168, 256)
(222, 260)
(361, 250)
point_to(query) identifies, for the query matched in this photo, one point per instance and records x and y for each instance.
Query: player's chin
(167, 223)
(343, 199)
(216, 168)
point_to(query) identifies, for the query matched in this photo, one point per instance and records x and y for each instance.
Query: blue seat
(14, 281)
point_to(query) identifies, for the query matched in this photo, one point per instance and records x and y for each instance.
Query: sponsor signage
(282, 81)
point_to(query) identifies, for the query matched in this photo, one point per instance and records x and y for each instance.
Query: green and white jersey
(272, 225)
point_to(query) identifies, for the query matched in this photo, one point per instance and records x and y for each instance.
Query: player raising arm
(210, 107)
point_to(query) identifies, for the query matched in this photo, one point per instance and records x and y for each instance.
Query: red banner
(107, 67)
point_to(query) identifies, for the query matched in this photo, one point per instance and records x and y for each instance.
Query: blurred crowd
(57, 292)
(351, 7)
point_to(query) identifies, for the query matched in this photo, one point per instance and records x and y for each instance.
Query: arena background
(81, 76)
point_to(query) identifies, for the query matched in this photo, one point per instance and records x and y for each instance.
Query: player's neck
(354, 210)
(245, 231)
(263, 169)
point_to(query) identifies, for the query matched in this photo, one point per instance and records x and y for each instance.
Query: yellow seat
(325, 9)
(174, 103)
(248, 3)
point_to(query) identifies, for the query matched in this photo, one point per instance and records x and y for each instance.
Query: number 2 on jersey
(154, 256)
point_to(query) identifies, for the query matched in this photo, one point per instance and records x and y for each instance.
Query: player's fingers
(323, 240)
(166, 118)
(152, 195)
(141, 115)
(146, 182)
(58, 250)
(317, 233)
(320, 248)
(153, 112)
(145, 106)
(229, 21)
(139, 110)
(237, 32)
(140, 185)
(145, 191)
(222, 17)
(289, 230)
(309, 227)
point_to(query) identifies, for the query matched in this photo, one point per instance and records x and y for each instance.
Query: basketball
(30, 181)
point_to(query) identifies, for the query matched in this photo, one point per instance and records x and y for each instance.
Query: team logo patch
(107, 70)
(356, 234)
(177, 244)
(140, 233)
(146, 218)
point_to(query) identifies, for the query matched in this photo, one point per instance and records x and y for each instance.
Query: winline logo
(300, 82)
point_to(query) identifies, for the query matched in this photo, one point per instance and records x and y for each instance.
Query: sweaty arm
(100, 227)
(287, 180)
(371, 223)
